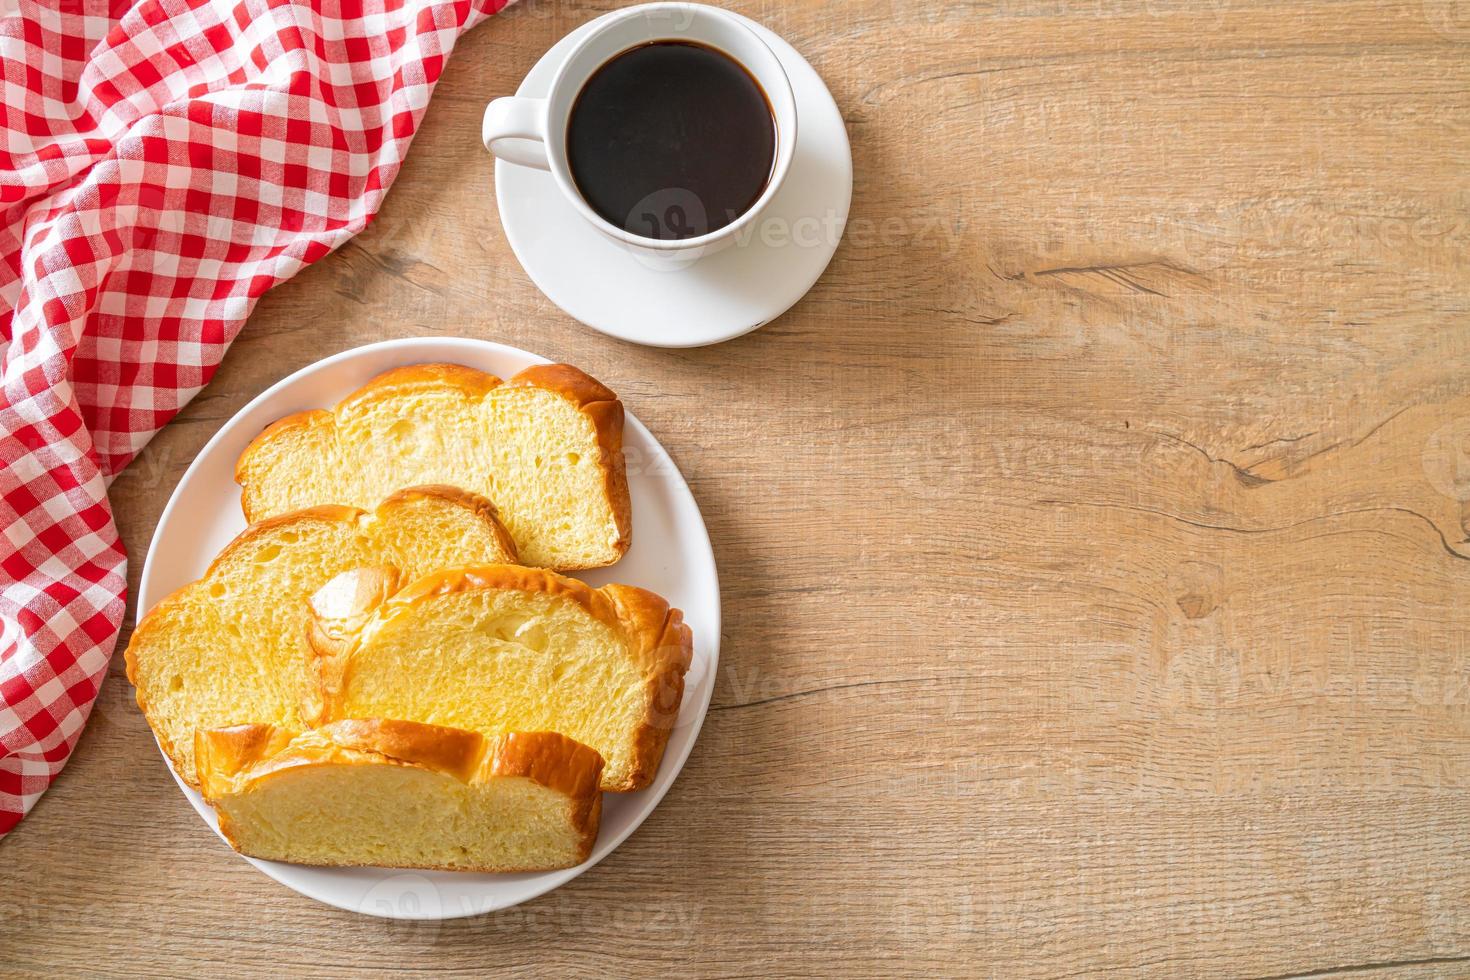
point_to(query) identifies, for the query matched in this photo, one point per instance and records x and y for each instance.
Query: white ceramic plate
(719, 297)
(670, 554)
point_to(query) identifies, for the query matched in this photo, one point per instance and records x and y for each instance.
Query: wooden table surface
(1093, 536)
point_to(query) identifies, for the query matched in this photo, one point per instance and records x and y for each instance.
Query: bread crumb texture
(496, 649)
(399, 794)
(546, 448)
(231, 648)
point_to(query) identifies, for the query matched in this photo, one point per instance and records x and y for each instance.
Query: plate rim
(547, 881)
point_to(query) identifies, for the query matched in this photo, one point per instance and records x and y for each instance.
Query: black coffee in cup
(671, 140)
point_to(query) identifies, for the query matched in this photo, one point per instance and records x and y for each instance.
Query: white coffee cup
(533, 132)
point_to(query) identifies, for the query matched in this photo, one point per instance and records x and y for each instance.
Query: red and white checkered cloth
(162, 164)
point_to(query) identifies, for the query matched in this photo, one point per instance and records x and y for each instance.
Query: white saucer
(670, 555)
(718, 297)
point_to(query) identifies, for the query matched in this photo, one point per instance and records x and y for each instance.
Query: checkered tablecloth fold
(162, 164)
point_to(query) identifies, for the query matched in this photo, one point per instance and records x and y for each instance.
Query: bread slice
(499, 648)
(403, 795)
(546, 446)
(231, 647)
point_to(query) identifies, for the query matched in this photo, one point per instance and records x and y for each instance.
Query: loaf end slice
(400, 794)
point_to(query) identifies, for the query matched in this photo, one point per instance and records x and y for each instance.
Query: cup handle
(512, 124)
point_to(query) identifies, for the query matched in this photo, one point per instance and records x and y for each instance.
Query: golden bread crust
(590, 396)
(556, 762)
(470, 578)
(152, 621)
(667, 644)
(452, 751)
(483, 507)
(237, 759)
(224, 752)
(296, 420)
(472, 382)
(600, 404)
(659, 641)
(572, 383)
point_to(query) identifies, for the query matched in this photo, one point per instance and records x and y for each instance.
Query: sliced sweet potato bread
(231, 647)
(499, 648)
(403, 795)
(546, 446)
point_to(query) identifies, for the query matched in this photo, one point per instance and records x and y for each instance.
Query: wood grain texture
(1093, 536)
